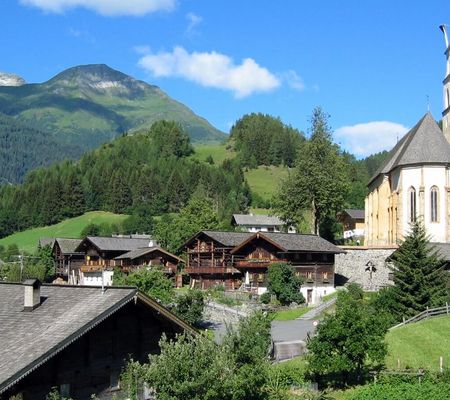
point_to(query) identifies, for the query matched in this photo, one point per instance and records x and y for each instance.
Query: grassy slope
(28, 240)
(420, 345)
(263, 180)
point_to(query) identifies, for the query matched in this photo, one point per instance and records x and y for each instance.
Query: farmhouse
(75, 338)
(258, 223)
(67, 260)
(99, 254)
(240, 260)
(353, 222)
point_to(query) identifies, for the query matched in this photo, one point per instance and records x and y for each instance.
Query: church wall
(422, 179)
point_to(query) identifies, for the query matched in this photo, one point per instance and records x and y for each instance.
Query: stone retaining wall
(354, 266)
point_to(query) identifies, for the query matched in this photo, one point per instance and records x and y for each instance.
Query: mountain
(85, 106)
(11, 79)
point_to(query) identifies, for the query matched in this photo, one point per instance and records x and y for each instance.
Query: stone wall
(355, 266)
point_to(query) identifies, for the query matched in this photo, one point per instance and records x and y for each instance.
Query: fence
(428, 313)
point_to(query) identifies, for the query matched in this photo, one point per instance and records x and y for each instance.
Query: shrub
(190, 305)
(284, 284)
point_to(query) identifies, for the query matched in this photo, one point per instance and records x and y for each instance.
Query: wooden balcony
(211, 270)
(255, 263)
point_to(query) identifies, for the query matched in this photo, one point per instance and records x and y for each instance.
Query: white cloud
(369, 138)
(105, 7)
(211, 70)
(294, 80)
(142, 49)
(193, 21)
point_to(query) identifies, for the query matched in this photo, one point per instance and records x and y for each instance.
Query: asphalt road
(286, 331)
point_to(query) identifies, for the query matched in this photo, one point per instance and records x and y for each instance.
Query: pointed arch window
(412, 204)
(434, 204)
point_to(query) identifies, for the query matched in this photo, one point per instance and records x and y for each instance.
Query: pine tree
(419, 275)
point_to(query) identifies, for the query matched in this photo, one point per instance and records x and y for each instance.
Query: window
(434, 203)
(64, 390)
(391, 276)
(325, 276)
(309, 276)
(412, 204)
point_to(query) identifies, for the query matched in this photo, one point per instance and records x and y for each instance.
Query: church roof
(423, 144)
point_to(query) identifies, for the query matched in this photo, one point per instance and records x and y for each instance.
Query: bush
(189, 306)
(265, 298)
(403, 391)
(284, 284)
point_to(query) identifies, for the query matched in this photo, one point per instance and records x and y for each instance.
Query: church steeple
(446, 82)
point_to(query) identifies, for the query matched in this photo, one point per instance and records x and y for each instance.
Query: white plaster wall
(432, 176)
(318, 292)
(95, 278)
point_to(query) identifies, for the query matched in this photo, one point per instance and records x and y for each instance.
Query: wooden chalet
(76, 339)
(100, 256)
(240, 260)
(149, 257)
(209, 261)
(68, 261)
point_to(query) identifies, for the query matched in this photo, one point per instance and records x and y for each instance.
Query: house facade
(67, 260)
(352, 222)
(259, 223)
(76, 339)
(239, 260)
(100, 257)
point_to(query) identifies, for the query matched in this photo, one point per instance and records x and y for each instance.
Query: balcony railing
(211, 270)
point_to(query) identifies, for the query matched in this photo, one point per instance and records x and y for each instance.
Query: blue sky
(374, 66)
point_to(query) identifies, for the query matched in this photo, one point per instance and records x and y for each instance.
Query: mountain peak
(7, 79)
(99, 77)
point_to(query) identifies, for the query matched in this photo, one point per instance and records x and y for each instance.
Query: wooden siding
(89, 363)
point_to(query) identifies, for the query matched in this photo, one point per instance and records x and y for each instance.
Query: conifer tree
(419, 275)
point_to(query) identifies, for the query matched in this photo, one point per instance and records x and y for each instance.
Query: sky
(376, 67)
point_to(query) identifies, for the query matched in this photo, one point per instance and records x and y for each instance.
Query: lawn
(265, 180)
(419, 345)
(290, 314)
(28, 240)
(218, 152)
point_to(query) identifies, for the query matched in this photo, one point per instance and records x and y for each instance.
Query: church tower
(446, 112)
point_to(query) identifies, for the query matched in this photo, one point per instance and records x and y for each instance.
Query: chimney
(32, 294)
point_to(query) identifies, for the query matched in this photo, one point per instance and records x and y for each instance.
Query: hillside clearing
(28, 240)
(265, 180)
(218, 152)
(420, 344)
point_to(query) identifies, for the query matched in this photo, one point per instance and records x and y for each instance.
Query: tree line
(148, 172)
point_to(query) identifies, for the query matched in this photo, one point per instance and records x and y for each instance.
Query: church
(414, 181)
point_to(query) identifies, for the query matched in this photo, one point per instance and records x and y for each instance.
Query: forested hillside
(85, 106)
(148, 171)
(23, 148)
(265, 140)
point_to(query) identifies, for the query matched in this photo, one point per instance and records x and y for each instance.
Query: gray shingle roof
(257, 220)
(30, 336)
(228, 239)
(131, 255)
(46, 241)
(68, 246)
(423, 144)
(116, 243)
(355, 213)
(29, 339)
(301, 243)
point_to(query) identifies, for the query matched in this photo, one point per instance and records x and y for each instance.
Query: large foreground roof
(29, 339)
